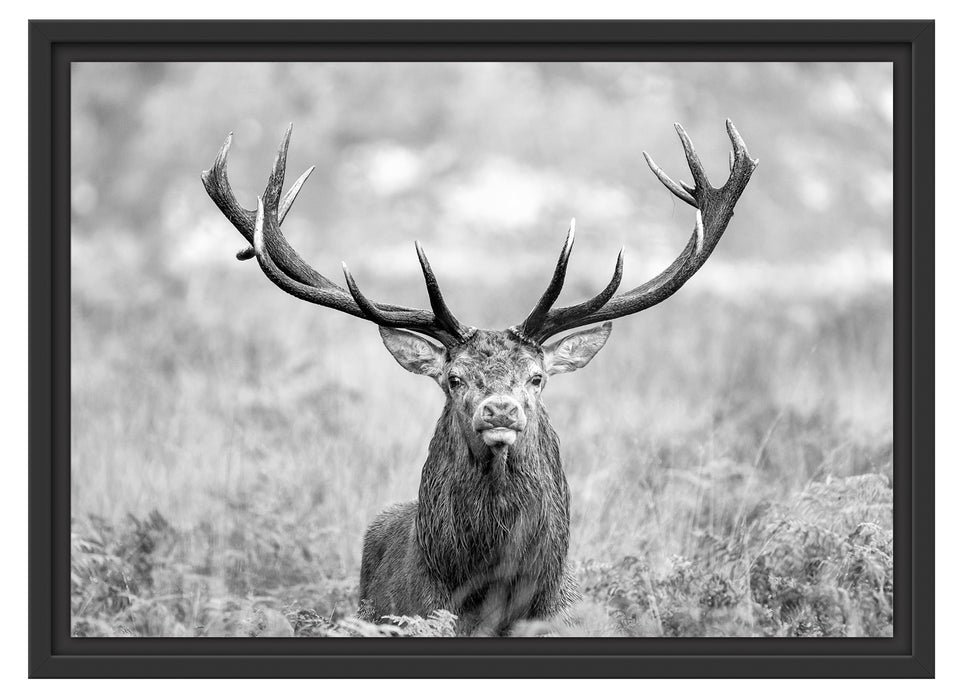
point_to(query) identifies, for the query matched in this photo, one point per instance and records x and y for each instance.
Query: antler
(288, 271)
(714, 209)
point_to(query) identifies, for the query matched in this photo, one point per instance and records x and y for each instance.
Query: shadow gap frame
(54, 45)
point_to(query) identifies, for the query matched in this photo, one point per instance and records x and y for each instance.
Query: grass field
(730, 465)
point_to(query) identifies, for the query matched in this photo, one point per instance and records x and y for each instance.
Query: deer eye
(454, 381)
(536, 380)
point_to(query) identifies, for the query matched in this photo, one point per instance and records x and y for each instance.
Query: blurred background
(230, 443)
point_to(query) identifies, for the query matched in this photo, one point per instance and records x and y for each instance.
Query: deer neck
(475, 511)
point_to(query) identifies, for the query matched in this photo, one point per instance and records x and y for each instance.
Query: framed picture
(227, 481)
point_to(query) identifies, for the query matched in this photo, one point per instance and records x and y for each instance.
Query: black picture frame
(54, 45)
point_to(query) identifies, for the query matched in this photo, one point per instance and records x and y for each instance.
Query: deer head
(492, 379)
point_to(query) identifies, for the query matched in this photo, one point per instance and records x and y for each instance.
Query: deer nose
(500, 412)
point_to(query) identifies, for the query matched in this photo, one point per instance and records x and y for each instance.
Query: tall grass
(254, 447)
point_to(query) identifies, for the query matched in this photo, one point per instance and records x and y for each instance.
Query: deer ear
(414, 353)
(576, 350)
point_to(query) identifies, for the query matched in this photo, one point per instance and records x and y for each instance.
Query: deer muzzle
(498, 419)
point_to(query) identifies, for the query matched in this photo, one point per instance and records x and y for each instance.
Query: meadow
(729, 452)
(226, 474)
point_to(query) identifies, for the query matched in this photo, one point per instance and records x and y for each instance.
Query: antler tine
(217, 186)
(584, 308)
(692, 159)
(668, 181)
(449, 332)
(274, 186)
(714, 209)
(739, 148)
(538, 314)
(369, 308)
(441, 311)
(287, 202)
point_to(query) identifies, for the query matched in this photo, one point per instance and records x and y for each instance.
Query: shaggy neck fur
(488, 523)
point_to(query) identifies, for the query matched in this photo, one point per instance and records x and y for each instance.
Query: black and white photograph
(481, 349)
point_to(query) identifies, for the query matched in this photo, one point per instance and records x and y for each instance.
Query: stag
(487, 538)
